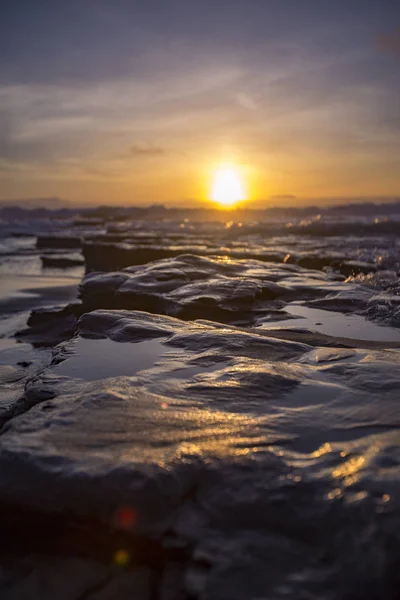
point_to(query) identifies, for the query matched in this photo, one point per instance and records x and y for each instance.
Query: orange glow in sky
(292, 116)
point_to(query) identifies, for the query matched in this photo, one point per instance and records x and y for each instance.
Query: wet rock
(237, 292)
(41, 577)
(61, 262)
(350, 268)
(58, 241)
(350, 299)
(130, 326)
(52, 325)
(12, 381)
(109, 257)
(214, 459)
(192, 287)
(46, 578)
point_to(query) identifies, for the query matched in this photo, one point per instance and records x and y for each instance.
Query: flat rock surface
(246, 291)
(191, 287)
(264, 461)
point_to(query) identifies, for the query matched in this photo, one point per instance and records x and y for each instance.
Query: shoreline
(157, 453)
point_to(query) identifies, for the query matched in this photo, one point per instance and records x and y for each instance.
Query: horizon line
(62, 204)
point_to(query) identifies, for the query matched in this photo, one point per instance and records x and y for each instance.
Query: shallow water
(336, 324)
(93, 359)
(18, 286)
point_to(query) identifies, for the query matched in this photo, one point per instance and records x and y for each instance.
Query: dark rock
(58, 241)
(110, 257)
(61, 262)
(192, 287)
(50, 326)
(233, 465)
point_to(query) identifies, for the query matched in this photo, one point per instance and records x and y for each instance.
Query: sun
(227, 188)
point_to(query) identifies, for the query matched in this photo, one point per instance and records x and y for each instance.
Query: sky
(138, 101)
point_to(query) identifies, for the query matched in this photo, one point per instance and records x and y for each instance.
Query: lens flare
(121, 558)
(125, 517)
(227, 189)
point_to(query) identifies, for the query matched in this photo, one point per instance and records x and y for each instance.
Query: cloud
(146, 150)
(246, 101)
(390, 42)
(279, 106)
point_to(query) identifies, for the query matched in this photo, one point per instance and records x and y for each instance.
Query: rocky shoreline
(183, 441)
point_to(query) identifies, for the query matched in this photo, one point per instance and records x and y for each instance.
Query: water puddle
(92, 360)
(311, 393)
(336, 324)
